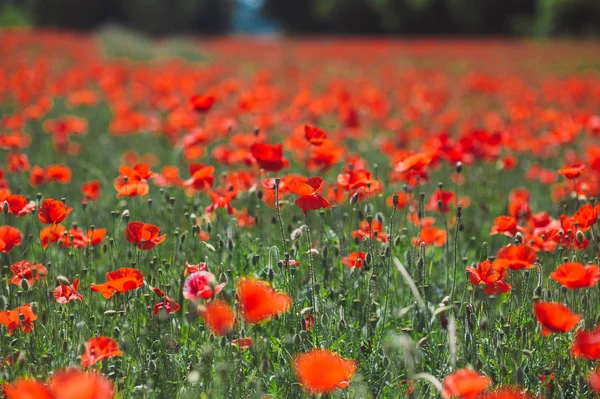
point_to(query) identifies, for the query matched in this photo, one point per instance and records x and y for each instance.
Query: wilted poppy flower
(10, 237)
(572, 171)
(202, 102)
(91, 190)
(269, 157)
(258, 301)
(314, 135)
(98, 349)
(201, 285)
(20, 318)
(555, 317)
(18, 205)
(65, 293)
(145, 236)
(323, 371)
(355, 259)
(25, 270)
(465, 384)
(27, 389)
(53, 211)
(218, 316)
(76, 384)
(517, 257)
(575, 275)
(587, 344)
(307, 190)
(121, 280)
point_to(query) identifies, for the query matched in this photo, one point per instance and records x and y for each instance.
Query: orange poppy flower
(27, 389)
(25, 270)
(133, 182)
(98, 349)
(307, 190)
(75, 384)
(323, 371)
(91, 190)
(506, 225)
(145, 236)
(168, 176)
(218, 316)
(51, 234)
(258, 301)
(517, 257)
(555, 317)
(587, 344)
(20, 318)
(58, 173)
(572, 171)
(221, 201)
(53, 211)
(464, 384)
(202, 177)
(121, 280)
(18, 205)
(10, 237)
(65, 293)
(355, 259)
(575, 275)
(314, 135)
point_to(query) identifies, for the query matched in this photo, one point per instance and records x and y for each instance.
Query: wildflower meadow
(294, 218)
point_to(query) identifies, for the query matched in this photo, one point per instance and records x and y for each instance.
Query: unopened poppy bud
(230, 244)
(209, 227)
(255, 259)
(110, 312)
(172, 200)
(256, 131)
(25, 285)
(354, 199)
(537, 292)
(63, 280)
(459, 166)
(220, 244)
(369, 218)
(270, 274)
(579, 235)
(296, 234)
(395, 199)
(313, 252)
(368, 258)
(125, 215)
(150, 202)
(325, 251)
(273, 219)
(297, 340)
(5, 207)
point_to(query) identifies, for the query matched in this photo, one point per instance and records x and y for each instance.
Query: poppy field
(299, 218)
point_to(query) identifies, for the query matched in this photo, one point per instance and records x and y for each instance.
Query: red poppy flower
(202, 177)
(586, 217)
(440, 201)
(10, 237)
(27, 389)
(201, 285)
(507, 393)
(133, 182)
(323, 371)
(189, 269)
(98, 349)
(497, 288)
(307, 190)
(65, 293)
(202, 102)
(53, 211)
(377, 232)
(517, 257)
(20, 318)
(51, 234)
(59, 173)
(121, 280)
(314, 135)
(431, 236)
(587, 344)
(555, 317)
(269, 157)
(594, 380)
(242, 343)
(355, 259)
(506, 225)
(168, 177)
(167, 305)
(221, 201)
(464, 384)
(218, 316)
(75, 384)
(91, 190)
(572, 171)
(575, 275)
(25, 270)
(18, 205)
(145, 236)
(486, 272)
(258, 301)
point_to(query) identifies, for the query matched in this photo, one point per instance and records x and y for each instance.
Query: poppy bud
(125, 215)
(341, 325)
(368, 258)
(25, 285)
(354, 199)
(395, 200)
(296, 234)
(297, 340)
(172, 201)
(580, 236)
(230, 244)
(313, 252)
(209, 227)
(110, 312)
(5, 208)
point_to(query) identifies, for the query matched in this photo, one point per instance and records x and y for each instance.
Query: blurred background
(536, 18)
